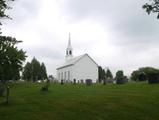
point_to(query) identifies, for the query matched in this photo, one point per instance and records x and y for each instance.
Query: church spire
(69, 42)
(69, 49)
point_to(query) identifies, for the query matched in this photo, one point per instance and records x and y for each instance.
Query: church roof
(74, 60)
(71, 62)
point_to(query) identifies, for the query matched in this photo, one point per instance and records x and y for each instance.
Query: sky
(117, 34)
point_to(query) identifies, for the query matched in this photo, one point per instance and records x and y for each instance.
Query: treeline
(34, 71)
(149, 74)
(106, 76)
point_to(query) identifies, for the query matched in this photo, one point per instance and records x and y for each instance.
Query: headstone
(82, 81)
(74, 81)
(62, 82)
(88, 82)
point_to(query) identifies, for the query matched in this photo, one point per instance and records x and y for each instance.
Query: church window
(62, 75)
(65, 76)
(68, 75)
(70, 52)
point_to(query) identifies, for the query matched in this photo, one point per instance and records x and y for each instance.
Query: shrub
(153, 77)
(46, 86)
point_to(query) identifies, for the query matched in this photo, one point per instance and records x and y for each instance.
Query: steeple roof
(69, 42)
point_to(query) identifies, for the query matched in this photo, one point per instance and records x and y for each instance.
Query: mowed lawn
(135, 101)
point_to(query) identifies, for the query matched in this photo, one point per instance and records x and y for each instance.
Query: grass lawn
(135, 101)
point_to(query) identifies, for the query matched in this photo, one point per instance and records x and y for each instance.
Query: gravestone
(74, 81)
(88, 82)
(62, 82)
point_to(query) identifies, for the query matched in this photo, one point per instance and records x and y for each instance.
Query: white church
(78, 68)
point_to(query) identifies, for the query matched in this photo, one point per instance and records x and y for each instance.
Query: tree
(146, 73)
(120, 77)
(152, 74)
(139, 75)
(27, 73)
(34, 71)
(153, 77)
(101, 74)
(153, 6)
(11, 58)
(43, 71)
(109, 74)
(3, 7)
(135, 75)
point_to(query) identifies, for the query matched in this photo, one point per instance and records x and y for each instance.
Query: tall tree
(27, 72)
(11, 58)
(109, 74)
(43, 71)
(36, 72)
(152, 7)
(101, 74)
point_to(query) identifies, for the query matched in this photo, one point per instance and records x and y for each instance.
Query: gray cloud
(123, 16)
(118, 34)
(22, 11)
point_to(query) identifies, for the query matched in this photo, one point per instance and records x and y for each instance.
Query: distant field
(136, 101)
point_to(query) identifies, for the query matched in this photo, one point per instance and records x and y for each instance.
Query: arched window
(70, 52)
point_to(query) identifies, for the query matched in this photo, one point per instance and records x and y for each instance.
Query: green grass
(135, 101)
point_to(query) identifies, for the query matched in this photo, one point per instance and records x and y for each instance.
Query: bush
(144, 74)
(46, 87)
(153, 77)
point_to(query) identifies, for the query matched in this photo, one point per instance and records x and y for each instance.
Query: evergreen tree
(109, 74)
(43, 71)
(101, 74)
(36, 72)
(27, 72)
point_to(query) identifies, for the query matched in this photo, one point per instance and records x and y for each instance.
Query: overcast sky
(116, 33)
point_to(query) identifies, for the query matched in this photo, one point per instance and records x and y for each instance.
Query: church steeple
(69, 49)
